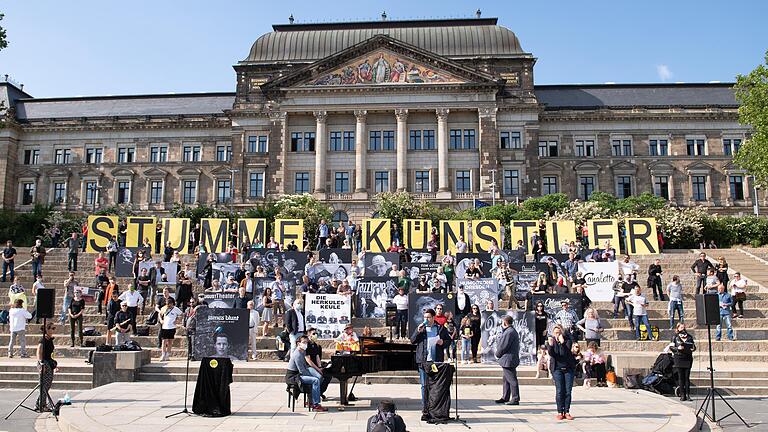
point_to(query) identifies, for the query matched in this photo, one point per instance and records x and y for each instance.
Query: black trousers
(112, 261)
(684, 380)
(654, 283)
(511, 387)
(401, 325)
(72, 261)
(133, 310)
(475, 344)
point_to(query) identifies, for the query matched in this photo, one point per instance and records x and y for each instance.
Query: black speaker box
(46, 299)
(707, 309)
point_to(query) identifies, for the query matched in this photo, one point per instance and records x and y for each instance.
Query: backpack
(91, 331)
(4, 316)
(384, 422)
(633, 381)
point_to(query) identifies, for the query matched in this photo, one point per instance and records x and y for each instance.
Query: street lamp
(231, 187)
(96, 195)
(493, 186)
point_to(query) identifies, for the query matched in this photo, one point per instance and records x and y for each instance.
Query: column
(320, 150)
(671, 186)
(442, 150)
(361, 173)
(402, 149)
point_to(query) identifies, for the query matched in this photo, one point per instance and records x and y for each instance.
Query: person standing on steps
(726, 302)
(682, 348)
(76, 310)
(700, 267)
(73, 246)
(562, 367)
(508, 353)
(654, 280)
(9, 255)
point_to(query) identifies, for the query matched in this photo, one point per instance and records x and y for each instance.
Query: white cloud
(664, 72)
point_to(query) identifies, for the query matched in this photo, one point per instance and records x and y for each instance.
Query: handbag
(152, 318)
(610, 376)
(633, 381)
(740, 296)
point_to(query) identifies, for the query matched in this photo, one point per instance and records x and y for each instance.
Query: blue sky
(85, 47)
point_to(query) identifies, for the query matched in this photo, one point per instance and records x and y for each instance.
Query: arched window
(339, 216)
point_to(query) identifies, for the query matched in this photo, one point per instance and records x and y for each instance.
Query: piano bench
(306, 389)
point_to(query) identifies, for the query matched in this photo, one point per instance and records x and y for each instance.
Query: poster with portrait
(553, 305)
(378, 264)
(124, 263)
(373, 294)
(335, 256)
(221, 333)
(221, 300)
(289, 263)
(260, 284)
(420, 302)
(524, 276)
(416, 271)
(481, 290)
(326, 272)
(522, 321)
(601, 277)
(419, 256)
(202, 262)
(513, 256)
(558, 259)
(168, 271)
(328, 313)
(463, 260)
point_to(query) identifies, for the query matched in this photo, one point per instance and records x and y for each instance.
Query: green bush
(756, 243)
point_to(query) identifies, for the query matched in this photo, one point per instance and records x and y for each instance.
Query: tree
(752, 94)
(305, 207)
(3, 35)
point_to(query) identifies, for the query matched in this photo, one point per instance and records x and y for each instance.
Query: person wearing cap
(566, 317)
(348, 338)
(123, 322)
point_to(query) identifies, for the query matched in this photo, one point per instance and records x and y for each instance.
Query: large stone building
(446, 110)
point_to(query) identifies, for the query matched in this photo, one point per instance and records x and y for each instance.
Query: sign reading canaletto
(601, 278)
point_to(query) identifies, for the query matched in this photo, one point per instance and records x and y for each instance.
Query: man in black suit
(294, 322)
(508, 353)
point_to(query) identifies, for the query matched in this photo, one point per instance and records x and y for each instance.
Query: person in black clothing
(113, 307)
(682, 349)
(314, 353)
(102, 280)
(654, 280)
(76, 310)
(292, 246)
(541, 323)
(242, 299)
(552, 274)
(426, 353)
(563, 368)
(474, 321)
(9, 255)
(208, 269)
(46, 365)
(73, 244)
(700, 267)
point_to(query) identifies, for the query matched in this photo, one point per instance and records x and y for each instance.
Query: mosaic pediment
(383, 67)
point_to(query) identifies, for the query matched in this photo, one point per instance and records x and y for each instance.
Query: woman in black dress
(682, 348)
(46, 365)
(474, 322)
(183, 289)
(541, 324)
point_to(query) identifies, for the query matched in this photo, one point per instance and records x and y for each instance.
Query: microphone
(425, 323)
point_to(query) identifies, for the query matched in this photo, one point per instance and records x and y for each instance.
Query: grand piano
(375, 355)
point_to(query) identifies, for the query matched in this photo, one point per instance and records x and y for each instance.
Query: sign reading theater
(479, 234)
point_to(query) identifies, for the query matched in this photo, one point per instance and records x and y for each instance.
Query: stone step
(33, 376)
(57, 384)
(752, 347)
(699, 335)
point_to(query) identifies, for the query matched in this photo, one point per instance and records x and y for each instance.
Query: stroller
(663, 377)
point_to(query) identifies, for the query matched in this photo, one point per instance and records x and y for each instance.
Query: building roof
(594, 96)
(140, 105)
(453, 38)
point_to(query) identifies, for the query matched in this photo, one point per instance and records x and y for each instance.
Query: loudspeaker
(707, 309)
(46, 298)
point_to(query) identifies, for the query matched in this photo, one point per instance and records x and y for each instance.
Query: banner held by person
(328, 313)
(101, 229)
(373, 294)
(522, 321)
(601, 277)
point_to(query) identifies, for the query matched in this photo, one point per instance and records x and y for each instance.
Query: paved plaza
(262, 406)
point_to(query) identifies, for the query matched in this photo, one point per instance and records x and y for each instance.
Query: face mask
(299, 306)
(303, 346)
(313, 338)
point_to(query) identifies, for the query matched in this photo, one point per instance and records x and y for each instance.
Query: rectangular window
(223, 191)
(155, 191)
(658, 147)
(223, 153)
(341, 182)
(621, 147)
(511, 182)
(126, 155)
(90, 193)
(59, 192)
(695, 147)
(189, 191)
(62, 156)
(548, 148)
(388, 140)
(548, 185)
(381, 181)
(585, 148)
(257, 144)
(158, 154)
(191, 154)
(334, 140)
(586, 187)
(348, 143)
(374, 140)
(699, 186)
(123, 192)
(256, 185)
(510, 140)
(454, 139)
(93, 155)
(301, 184)
(428, 139)
(28, 194)
(731, 146)
(661, 186)
(422, 182)
(463, 181)
(414, 140)
(469, 139)
(302, 141)
(736, 183)
(31, 157)
(623, 186)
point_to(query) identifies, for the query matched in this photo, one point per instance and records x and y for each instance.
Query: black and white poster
(167, 274)
(221, 333)
(524, 276)
(221, 300)
(260, 284)
(379, 264)
(124, 264)
(513, 256)
(553, 305)
(222, 258)
(423, 269)
(481, 290)
(373, 294)
(523, 322)
(419, 256)
(335, 256)
(289, 263)
(463, 260)
(557, 259)
(418, 303)
(326, 272)
(328, 313)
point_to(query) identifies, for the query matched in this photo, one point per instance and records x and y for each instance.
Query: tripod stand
(712, 392)
(457, 419)
(186, 380)
(43, 399)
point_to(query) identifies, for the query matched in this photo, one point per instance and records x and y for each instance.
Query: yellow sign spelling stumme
(101, 229)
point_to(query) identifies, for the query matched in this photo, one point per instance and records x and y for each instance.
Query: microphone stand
(186, 374)
(456, 391)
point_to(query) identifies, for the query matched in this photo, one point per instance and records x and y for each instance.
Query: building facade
(446, 110)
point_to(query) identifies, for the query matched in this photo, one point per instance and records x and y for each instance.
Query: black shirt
(315, 352)
(76, 306)
(102, 281)
(47, 349)
(242, 302)
(471, 273)
(9, 252)
(121, 317)
(142, 286)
